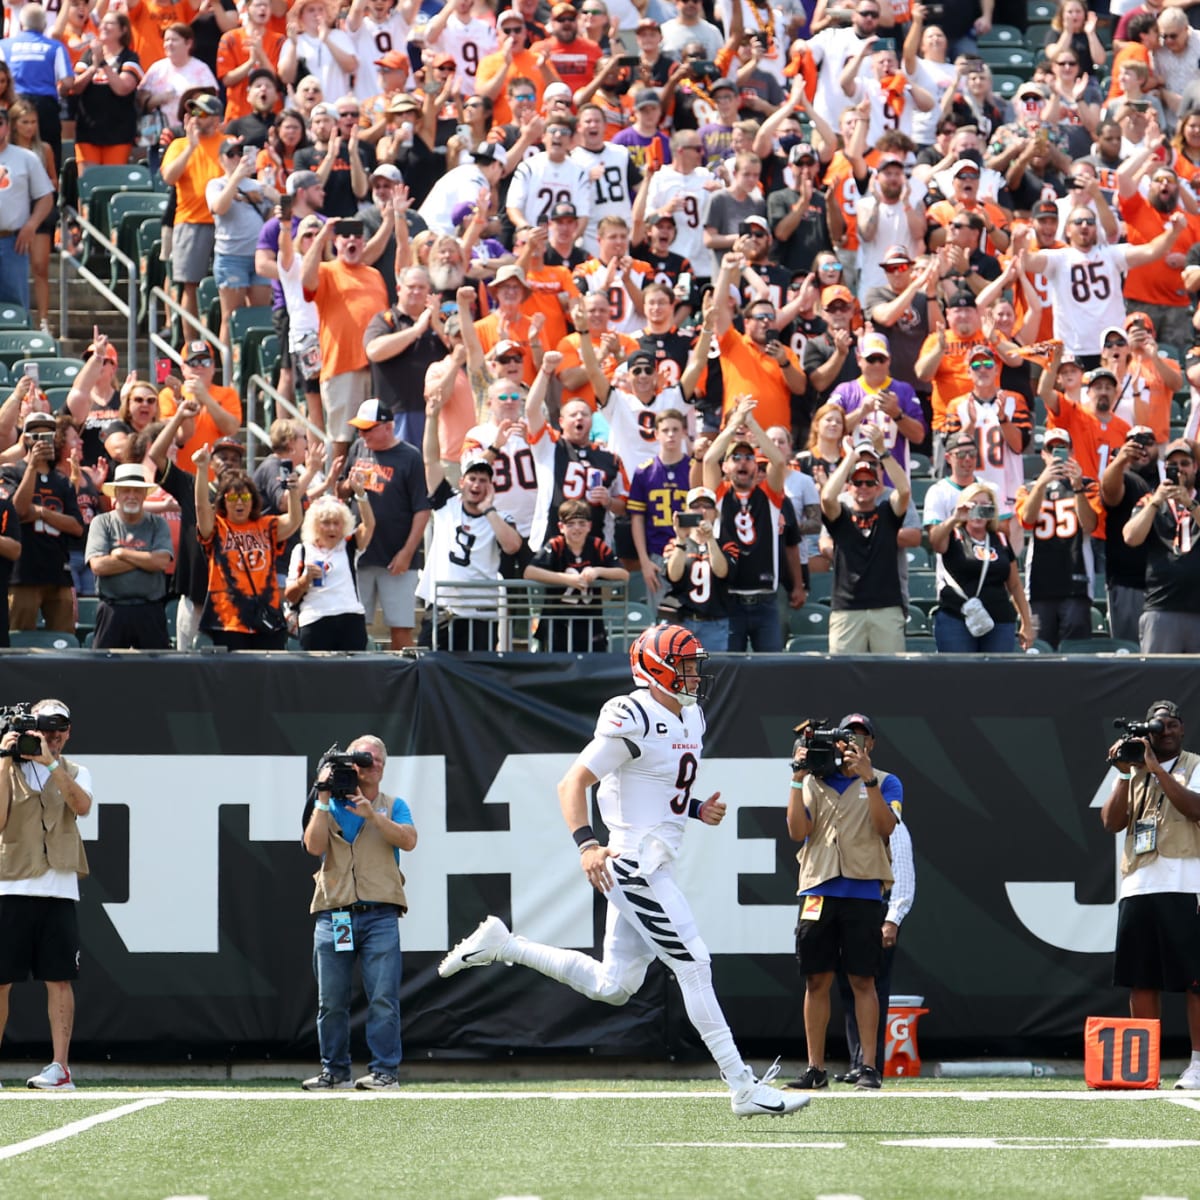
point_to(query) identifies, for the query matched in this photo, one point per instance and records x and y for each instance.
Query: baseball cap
(834, 292)
(1158, 706)
(323, 110)
(897, 254)
(889, 158)
(231, 444)
(722, 85)
(208, 104)
(371, 413)
(960, 441)
(800, 151)
(56, 708)
(1099, 373)
(755, 219)
(461, 211)
(654, 218)
(699, 493)
(36, 419)
(740, 444)
(646, 23)
(506, 347)
(1056, 435)
(393, 60)
(645, 356)
(477, 463)
(388, 171)
(445, 60)
(857, 719)
(1141, 433)
(963, 298)
(1180, 446)
(490, 152)
(509, 16)
(231, 146)
(564, 210)
(874, 343)
(554, 90)
(647, 97)
(1139, 318)
(198, 348)
(302, 179)
(965, 164)
(979, 352)
(110, 352)
(1045, 208)
(1030, 88)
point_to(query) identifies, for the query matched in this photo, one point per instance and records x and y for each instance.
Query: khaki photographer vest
(42, 834)
(1177, 837)
(363, 870)
(842, 840)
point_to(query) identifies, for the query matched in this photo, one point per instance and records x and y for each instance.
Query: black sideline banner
(197, 938)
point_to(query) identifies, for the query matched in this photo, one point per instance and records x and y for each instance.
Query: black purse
(266, 618)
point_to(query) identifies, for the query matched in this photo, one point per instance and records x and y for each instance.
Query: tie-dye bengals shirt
(241, 562)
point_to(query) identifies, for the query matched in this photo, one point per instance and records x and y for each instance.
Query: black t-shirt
(667, 267)
(394, 480)
(98, 424)
(701, 592)
(570, 261)
(207, 34)
(672, 345)
(385, 264)
(1172, 561)
(399, 381)
(905, 335)
(44, 551)
(810, 236)
(340, 200)
(91, 503)
(818, 351)
(962, 561)
(190, 577)
(10, 527)
(251, 128)
(556, 555)
(102, 117)
(1124, 565)
(866, 573)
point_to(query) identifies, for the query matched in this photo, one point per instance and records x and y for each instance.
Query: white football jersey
(610, 189)
(1087, 291)
(631, 424)
(514, 475)
(372, 41)
(650, 793)
(689, 216)
(467, 42)
(539, 184)
(464, 549)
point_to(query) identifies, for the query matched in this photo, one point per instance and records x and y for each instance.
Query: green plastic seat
(19, 344)
(13, 316)
(52, 372)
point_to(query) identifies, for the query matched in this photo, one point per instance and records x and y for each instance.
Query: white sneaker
(478, 949)
(1189, 1081)
(756, 1099)
(54, 1078)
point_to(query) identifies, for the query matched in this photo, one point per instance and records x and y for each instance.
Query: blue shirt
(350, 823)
(859, 889)
(37, 63)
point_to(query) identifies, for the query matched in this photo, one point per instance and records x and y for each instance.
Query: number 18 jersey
(647, 760)
(1086, 289)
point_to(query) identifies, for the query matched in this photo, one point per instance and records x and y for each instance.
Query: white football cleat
(1189, 1081)
(477, 949)
(756, 1098)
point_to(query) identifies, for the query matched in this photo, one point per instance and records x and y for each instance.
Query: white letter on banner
(174, 872)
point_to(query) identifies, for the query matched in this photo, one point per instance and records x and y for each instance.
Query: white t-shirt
(162, 78)
(335, 82)
(631, 424)
(303, 318)
(1086, 291)
(514, 476)
(336, 593)
(935, 78)
(57, 885)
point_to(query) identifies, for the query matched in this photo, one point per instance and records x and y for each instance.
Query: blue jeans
(81, 574)
(952, 637)
(713, 635)
(377, 949)
(755, 626)
(14, 273)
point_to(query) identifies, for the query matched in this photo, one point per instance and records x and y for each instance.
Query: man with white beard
(447, 272)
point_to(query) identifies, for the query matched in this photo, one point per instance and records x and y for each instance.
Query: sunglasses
(508, 396)
(761, 316)
(509, 359)
(741, 457)
(899, 268)
(641, 370)
(1083, 220)
(525, 98)
(868, 483)
(199, 362)
(835, 267)
(982, 364)
(876, 358)
(1113, 344)
(961, 225)
(238, 497)
(344, 115)
(867, 12)
(143, 399)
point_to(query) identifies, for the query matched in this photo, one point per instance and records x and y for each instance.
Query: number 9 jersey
(647, 759)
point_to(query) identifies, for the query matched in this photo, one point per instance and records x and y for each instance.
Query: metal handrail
(128, 309)
(257, 385)
(202, 330)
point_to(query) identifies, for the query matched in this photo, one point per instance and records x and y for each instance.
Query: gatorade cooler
(900, 1053)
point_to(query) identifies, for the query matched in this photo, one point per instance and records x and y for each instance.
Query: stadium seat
(1039, 11)
(1098, 645)
(1005, 86)
(44, 639)
(1041, 647)
(1035, 37)
(261, 358)
(85, 615)
(18, 344)
(820, 586)
(56, 397)
(247, 328)
(1001, 35)
(920, 489)
(1033, 466)
(52, 372)
(917, 623)
(921, 465)
(807, 643)
(3, 373)
(127, 211)
(922, 585)
(1099, 623)
(1011, 60)
(208, 303)
(810, 620)
(920, 645)
(13, 316)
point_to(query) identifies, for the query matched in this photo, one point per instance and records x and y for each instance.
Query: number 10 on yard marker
(1120, 1053)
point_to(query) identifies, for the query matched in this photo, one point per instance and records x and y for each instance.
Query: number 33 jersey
(647, 760)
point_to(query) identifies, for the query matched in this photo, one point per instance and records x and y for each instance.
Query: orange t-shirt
(952, 379)
(232, 52)
(191, 208)
(206, 431)
(1155, 283)
(524, 65)
(346, 298)
(1130, 52)
(746, 368)
(1093, 446)
(546, 285)
(569, 349)
(1160, 399)
(839, 183)
(488, 329)
(149, 21)
(458, 414)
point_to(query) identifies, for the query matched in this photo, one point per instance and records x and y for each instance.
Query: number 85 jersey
(647, 759)
(1087, 292)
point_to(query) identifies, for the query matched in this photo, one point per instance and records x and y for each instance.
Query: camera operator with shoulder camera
(843, 810)
(42, 795)
(358, 831)
(1156, 801)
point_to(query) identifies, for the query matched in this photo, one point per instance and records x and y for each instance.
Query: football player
(645, 755)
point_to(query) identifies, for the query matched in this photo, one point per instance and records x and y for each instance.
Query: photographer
(358, 832)
(1155, 799)
(42, 795)
(843, 811)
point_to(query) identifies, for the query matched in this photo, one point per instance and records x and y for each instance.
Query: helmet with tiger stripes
(670, 657)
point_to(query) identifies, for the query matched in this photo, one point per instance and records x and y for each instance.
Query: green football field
(919, 1139)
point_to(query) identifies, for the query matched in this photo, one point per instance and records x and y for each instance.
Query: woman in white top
(166, 80)
(321, 583)
(327, 52)
(303, 323)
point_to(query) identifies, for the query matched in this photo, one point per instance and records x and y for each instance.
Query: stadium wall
(195, 925)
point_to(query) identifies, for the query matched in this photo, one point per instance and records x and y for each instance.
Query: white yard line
(76, 1127)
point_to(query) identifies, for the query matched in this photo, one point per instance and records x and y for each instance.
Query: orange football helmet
(670, 657)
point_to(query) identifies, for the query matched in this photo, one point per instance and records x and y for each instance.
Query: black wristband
(584, 834)
(694, 807)
(872, 782)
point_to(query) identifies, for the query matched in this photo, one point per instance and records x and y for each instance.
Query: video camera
(343, 777)
(25, 722)
(1130, 749)
(821, 744)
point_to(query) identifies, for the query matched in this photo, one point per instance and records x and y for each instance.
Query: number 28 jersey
(1086, 289)
(539, 184)
(647, 760)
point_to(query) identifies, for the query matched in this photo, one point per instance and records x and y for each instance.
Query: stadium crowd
(743, 303)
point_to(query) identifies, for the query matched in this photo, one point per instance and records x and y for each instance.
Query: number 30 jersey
(1086, 290)
(647, 760)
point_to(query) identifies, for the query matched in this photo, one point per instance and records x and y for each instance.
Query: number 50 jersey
(647, 759)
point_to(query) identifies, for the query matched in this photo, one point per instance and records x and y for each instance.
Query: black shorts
(846, 937)
(1158, 943)
(39, 937)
